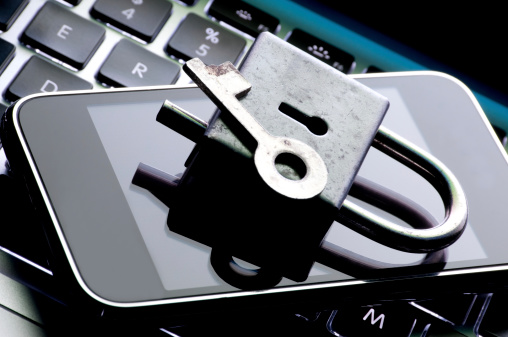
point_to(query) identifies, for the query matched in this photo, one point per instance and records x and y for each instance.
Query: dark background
(469, 42)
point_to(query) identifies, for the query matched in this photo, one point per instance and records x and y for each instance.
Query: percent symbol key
(198, 37)
(212, 35)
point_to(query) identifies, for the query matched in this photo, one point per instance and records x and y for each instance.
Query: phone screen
(116, 233)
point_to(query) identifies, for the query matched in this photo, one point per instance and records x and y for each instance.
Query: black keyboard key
(198, 37)
(464, 312)
(141, 18)
(372, 70)
(325, 52)
(39, 75)
(375, 320)
(453, 308)
(64, 35)
(494, 322)
(260, 323)
(390, 319)
(130, 65)
(9, 12)
(243, 16)
(6, 54)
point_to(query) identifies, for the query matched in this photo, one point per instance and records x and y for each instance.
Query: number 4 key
(142, 19)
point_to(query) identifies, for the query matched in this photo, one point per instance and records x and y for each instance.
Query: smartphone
(112, 249)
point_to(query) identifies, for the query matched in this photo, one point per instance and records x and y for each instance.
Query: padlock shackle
(339, 258)
(403, 238)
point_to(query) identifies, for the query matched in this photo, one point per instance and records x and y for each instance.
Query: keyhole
(290, 166)
(315, 124)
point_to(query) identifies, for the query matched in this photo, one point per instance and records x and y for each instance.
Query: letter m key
(373, 319)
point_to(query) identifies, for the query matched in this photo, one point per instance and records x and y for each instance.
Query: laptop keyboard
(48, 46)
(123, 43)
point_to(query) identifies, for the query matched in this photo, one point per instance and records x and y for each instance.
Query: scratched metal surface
(351, 111)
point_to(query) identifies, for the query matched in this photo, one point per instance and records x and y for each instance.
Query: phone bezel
(289, 295)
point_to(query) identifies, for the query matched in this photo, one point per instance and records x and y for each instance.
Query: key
(452, 308)
(325, 52)
(373, 69)
(224, 84)
(64, 35)
(259, 323)
(9, 12)
(374, 320)
(198, 37)
(243, 16)
(6, 54)
(391, 318)
(39, 75)
(141, 18)
(494, 322)
(129, 65)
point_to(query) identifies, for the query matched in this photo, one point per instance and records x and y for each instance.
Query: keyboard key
(9, 12)
(453, 308)
(372, 70)
(39, 75)
(372, 320)
(64, 35)
(141, 18)
(390, 319)
(260, 323)
(327, 53)
(6, 54)
(130, 65)
(494, 323)
(243, 16)
(198, 37)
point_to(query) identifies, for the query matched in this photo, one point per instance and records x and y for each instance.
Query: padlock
(275, 164)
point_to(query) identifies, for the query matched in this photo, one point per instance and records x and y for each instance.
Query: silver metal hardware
(227, 85)
(285, 211)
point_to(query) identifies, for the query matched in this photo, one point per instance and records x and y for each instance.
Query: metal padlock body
(281, 73)
(243, 214)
